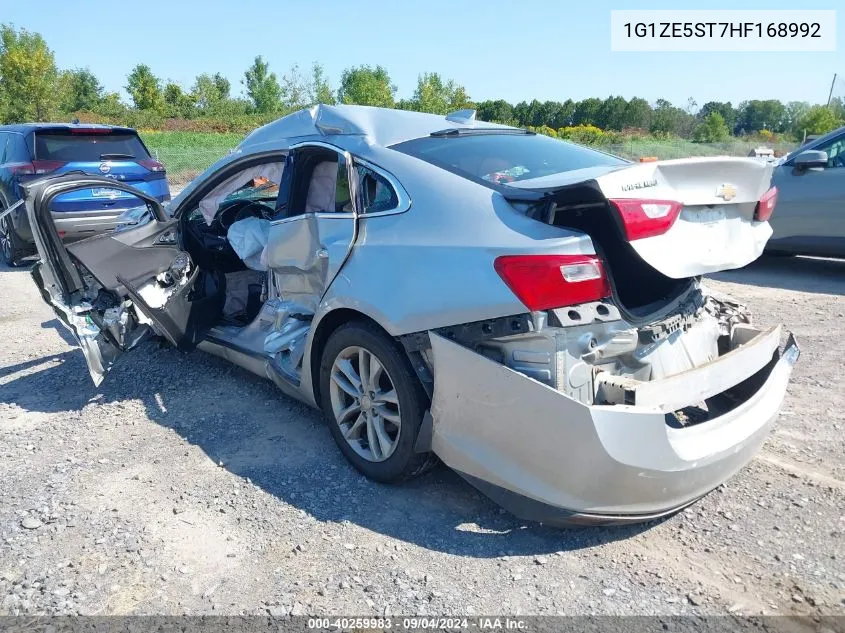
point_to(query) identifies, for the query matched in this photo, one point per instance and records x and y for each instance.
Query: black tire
(404, 462)
(10, 246)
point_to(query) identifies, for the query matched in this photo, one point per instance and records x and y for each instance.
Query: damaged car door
(113, 290)
(315, 225)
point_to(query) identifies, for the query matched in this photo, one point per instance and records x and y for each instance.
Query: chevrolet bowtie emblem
(726, 192)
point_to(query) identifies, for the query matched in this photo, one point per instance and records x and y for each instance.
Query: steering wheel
(240, 211)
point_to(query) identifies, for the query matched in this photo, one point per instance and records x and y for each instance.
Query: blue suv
(32, 150)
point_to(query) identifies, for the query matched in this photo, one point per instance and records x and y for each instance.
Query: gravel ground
(186, 485)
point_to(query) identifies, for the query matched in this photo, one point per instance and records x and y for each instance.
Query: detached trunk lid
(715, 228)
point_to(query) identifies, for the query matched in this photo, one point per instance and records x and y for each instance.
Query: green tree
(637, 114)
(795, 111)
(262, 87)
(458, 98)
(431, 94)
(723, 108)
(563, 115)
(437, 96)
(208, 91)
(144, 88)
(177, 104)
(521, 113)
(223, 85)
(27, 75)
(667, 119)
(111, 105)
(611, 114)
(296, 91)
(837, 105)
(587, 112)
(365, 85)
(757, 115)
(554, 114)
(712, 129)
(321, 91)
(79, 89)
(818, 119)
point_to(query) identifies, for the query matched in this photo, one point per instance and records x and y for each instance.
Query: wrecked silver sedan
(527, 310)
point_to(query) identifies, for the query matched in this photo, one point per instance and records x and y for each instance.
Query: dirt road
(185, 485)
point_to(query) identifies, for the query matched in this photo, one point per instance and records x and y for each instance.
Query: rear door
(314, 228)
(113, 290)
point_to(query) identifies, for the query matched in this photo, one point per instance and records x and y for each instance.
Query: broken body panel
(557, 433)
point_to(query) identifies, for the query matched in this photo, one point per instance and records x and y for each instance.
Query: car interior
(318, 184)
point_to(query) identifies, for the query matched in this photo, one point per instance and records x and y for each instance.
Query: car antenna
(75, 121)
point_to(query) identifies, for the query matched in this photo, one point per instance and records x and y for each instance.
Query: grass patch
(191, 140)
(188, 154)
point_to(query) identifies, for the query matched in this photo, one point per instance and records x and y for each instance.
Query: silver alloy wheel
(5, 239)
(365, 404)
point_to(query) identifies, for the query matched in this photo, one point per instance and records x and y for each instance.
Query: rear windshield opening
(67, 147)
(503, 158)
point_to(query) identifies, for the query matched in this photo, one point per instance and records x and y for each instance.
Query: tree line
(32, 87)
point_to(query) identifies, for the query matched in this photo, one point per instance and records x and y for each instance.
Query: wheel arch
(327, 325)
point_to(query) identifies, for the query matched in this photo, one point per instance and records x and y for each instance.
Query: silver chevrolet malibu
(529, 311)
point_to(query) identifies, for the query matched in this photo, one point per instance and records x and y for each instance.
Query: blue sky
(511, 50)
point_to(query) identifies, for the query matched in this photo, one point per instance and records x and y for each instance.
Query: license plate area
(705, 215)
(105, 192)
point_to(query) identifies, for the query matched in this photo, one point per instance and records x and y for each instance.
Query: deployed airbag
(210, 204)
(248, 238)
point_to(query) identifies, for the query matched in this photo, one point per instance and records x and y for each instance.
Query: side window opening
(257, 184)
(835, 152)
(321, 183)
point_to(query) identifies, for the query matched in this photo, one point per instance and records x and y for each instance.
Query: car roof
(378, 126)
(24, 128)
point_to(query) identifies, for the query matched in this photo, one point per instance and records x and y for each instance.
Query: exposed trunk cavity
(641, 292)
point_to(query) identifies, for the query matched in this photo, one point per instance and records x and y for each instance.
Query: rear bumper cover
(546, 457)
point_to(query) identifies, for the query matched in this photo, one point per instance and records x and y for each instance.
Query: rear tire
(373, 402)
(10, 246)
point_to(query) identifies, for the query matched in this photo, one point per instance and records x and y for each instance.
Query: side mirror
(810, 158)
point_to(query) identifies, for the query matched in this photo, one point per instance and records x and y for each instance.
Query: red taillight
(766, 206)
(21, 169)
(647, 218)
(152, 165)
(47, 166)
(553, 281)
(36, 167)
